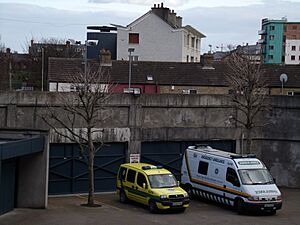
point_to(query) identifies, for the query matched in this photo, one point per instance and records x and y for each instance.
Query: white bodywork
(216, 185)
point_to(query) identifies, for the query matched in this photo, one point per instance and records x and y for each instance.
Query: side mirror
(144, 186)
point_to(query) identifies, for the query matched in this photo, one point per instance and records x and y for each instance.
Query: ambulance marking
(228, 190)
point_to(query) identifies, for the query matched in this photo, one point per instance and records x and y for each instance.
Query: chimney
(8, 50)
(178, 21)
(162, 4)
(105, 56)
(163, 13)
(172, 18)
(207, 60)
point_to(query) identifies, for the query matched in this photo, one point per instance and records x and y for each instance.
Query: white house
(159, 35)
(292, 51)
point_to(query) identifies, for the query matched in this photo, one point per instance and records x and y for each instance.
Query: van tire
(189, 189)
(240, 206)
(123, 198)
(152, 206)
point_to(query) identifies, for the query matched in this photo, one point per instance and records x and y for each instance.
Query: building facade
(106, 38)
(159, 35)
(280, 41)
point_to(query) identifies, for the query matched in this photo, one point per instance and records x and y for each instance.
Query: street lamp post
(130, 50)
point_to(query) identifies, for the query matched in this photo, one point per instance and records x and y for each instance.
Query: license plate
(177, 203)
(269, 205)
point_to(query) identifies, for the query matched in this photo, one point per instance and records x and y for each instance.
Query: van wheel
(240, 206)
(189, 189)
(123, 197)
(152, 207)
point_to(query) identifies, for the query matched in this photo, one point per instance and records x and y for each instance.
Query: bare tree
(248, 93)
(2, 46)
(78, 118)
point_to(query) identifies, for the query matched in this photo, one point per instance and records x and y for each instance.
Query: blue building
(107, 40)
(272, 41)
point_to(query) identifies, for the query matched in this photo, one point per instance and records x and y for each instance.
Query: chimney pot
(154, 6)
(162, 4)
(7, 50)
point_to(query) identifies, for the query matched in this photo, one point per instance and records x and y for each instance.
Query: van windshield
(162, 181)
(256, 176)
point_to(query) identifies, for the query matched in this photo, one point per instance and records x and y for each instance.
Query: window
(141, 179)
(149, 78)
(187, 58)
(131, 176)
(271, 47)
(197, 43)
(299, 57)
(193, 92)
(270, 57)
(293, 58)
(271, 37)
(122, 173)
(232, 177)
(193, 42)
(203, 167)
(135, 58)
(294, 27)
(188, 40)
(290, 93)
(272, 27)
(293, 48)
(192, 58)
(134, 38)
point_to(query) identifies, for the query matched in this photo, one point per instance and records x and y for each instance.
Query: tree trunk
(249, 141)
(91, 170)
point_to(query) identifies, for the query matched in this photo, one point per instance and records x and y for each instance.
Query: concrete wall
(171, 89)
(33, 170)
(171, 117)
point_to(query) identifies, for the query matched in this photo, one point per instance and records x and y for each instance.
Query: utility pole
(43, 60)
(130, 50)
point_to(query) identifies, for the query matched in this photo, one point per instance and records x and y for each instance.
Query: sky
(223, 22)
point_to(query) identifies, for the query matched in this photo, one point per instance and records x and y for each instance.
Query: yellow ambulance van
(150, 185)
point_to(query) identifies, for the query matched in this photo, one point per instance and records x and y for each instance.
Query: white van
(241, 181)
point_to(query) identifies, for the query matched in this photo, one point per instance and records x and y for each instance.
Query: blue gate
(8, 177)
(169, 154)
(68, 172)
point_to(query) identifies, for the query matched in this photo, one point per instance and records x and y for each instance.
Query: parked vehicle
(242, 181)
(150, 185)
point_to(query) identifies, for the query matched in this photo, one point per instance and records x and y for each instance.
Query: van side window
(131, 176)
(141, 179)
(122, 173)
(203, 167)
(232, 177)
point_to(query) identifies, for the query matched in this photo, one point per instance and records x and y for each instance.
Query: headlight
(253, 198)
(279, 198)
(185, 195)
(163, 197)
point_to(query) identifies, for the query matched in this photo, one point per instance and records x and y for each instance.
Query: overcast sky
(223, 22)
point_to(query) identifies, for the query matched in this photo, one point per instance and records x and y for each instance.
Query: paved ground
(67, 211)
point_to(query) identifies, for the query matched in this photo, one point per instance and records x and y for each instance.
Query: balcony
(262, 32)
(261, 41)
